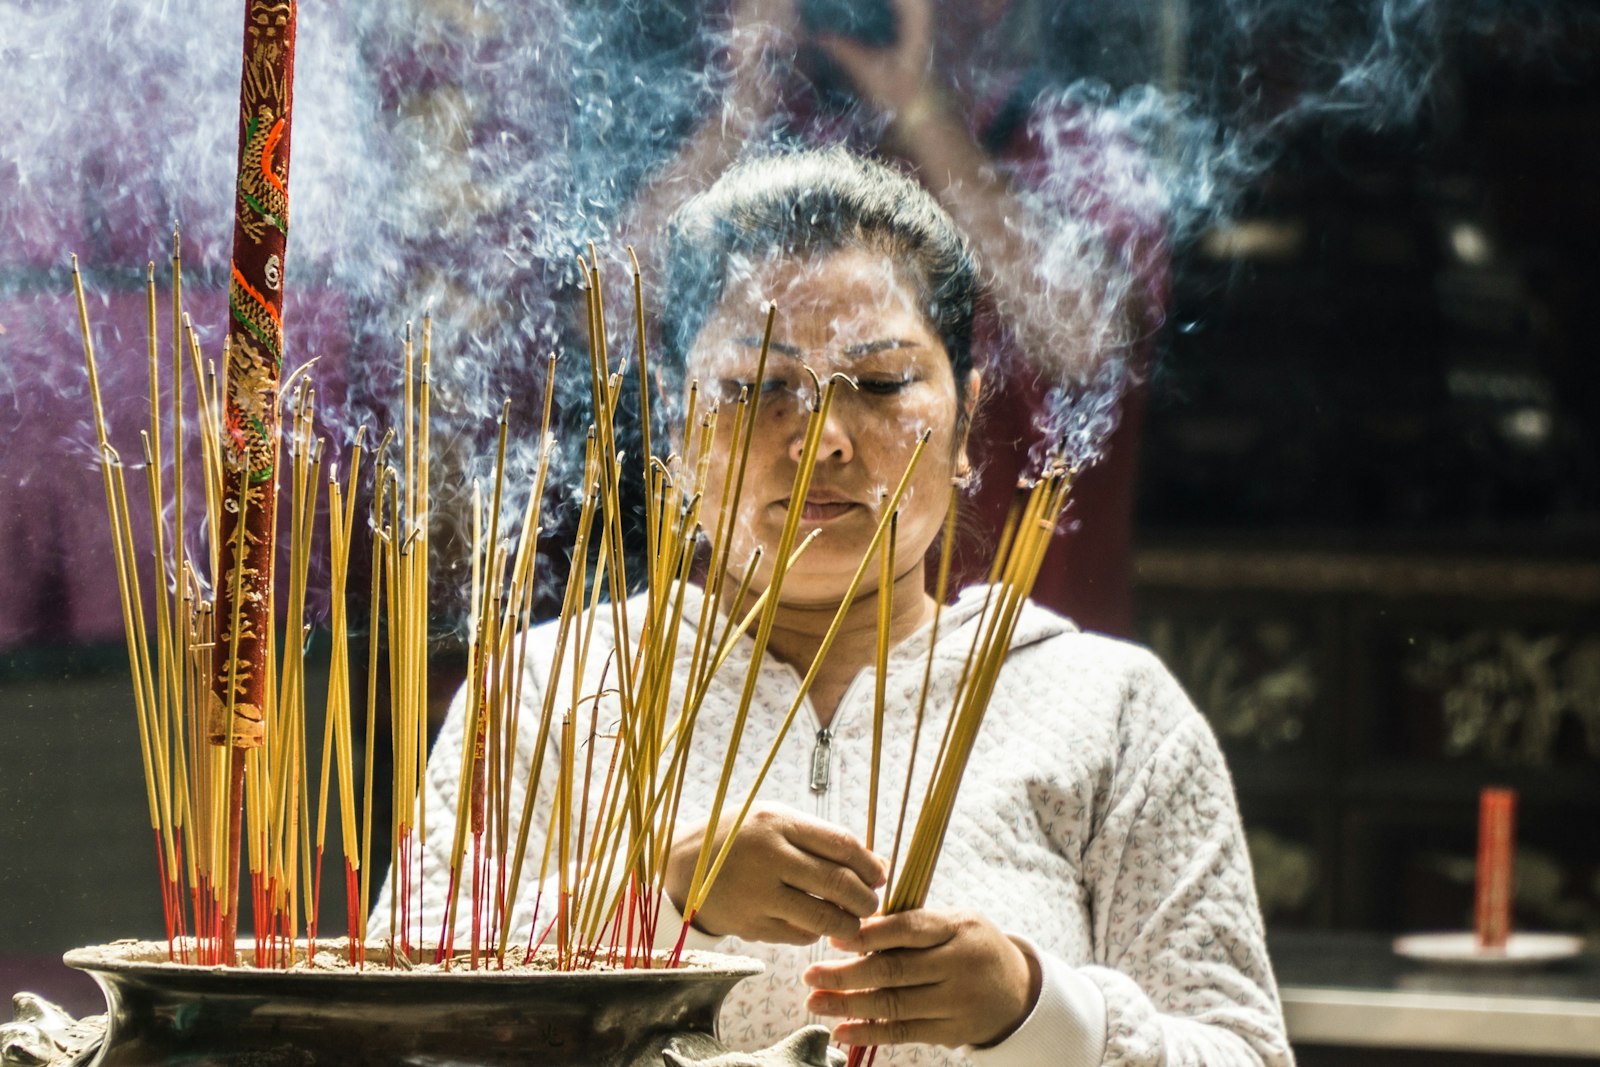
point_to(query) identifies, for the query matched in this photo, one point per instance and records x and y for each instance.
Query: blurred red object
(1496, 842)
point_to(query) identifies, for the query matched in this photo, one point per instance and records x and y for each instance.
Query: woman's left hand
(934, 977)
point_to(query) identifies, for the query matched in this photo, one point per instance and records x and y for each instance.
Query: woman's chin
(826, 588)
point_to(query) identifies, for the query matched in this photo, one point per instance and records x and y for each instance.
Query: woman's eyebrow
(867, 348)
(776, 346)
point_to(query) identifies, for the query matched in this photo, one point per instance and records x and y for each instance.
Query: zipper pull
(821, 761)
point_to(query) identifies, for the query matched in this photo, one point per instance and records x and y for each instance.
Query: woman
(1093, 902)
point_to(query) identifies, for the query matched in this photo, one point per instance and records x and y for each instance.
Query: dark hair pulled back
(815, 202)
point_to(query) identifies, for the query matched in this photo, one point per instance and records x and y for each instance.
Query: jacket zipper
(821, 766)
(821, 780)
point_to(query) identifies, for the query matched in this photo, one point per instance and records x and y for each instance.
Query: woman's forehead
(853, 276)
(849, 297)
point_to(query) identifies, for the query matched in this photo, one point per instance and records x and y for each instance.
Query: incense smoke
(453, 160)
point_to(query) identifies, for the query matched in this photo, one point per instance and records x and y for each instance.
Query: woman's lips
(824, 510)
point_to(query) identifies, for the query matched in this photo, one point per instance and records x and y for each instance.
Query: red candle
(1496, 837)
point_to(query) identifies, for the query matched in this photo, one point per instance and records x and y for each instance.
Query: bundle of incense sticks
(1024, 540)
(399, 580)
(601, 852)
(189, 782)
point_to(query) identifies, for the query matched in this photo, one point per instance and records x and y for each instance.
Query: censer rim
(118, 957)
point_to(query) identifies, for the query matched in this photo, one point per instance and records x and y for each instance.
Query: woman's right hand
(789, 878)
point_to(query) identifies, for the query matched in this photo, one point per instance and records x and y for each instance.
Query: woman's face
(846, 313)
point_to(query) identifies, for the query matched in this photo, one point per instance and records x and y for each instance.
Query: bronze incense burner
(310, 1016)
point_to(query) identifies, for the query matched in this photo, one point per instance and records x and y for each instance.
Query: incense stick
(881, 678)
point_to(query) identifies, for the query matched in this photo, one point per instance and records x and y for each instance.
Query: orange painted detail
(271, 311)
(267, 148)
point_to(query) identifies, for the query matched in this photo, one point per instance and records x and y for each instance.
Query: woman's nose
(836, 444)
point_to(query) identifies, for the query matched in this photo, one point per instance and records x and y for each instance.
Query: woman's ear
(971, 393)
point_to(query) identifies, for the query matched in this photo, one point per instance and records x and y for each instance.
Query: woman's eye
(769, 386)
(882, 386)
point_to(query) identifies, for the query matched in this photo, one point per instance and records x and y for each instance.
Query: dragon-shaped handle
(807, 1047)
(41, 1033)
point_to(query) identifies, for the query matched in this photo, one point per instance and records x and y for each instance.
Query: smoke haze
(453, 158)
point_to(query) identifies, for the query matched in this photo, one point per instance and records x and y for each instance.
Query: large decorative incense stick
(255, 343)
